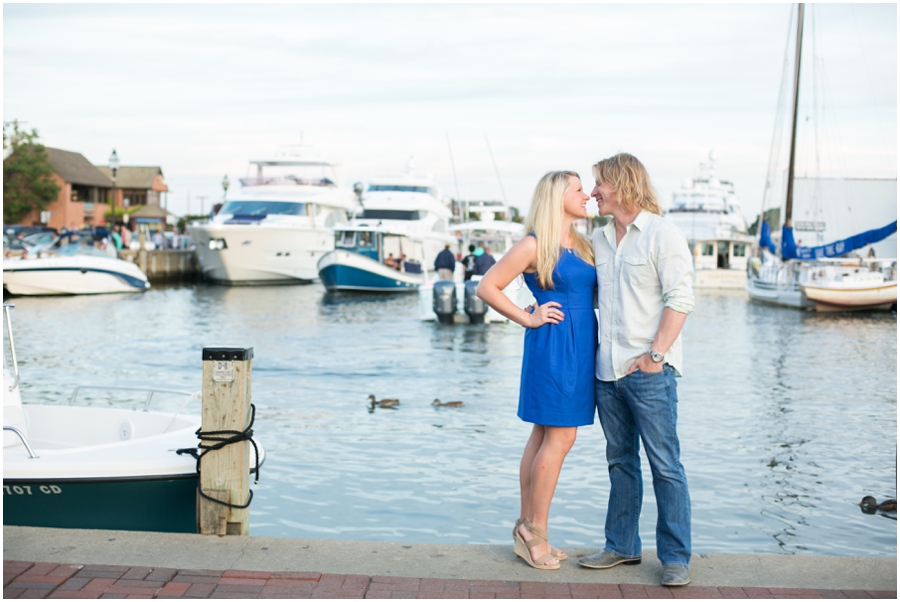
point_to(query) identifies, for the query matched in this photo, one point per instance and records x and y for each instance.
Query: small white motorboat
(73, 264)
(98, 466)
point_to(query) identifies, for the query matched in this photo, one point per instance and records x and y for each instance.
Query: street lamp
(113, 167)
(225, 184)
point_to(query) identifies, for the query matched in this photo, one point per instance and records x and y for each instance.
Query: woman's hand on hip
(548, 313)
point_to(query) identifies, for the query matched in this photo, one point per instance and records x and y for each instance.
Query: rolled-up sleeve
(676, 270)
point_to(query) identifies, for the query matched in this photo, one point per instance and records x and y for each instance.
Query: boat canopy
(790, 250)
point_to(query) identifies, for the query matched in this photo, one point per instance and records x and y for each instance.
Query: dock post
(142, 252)
(225, 472)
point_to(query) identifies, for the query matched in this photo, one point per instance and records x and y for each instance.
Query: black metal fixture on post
(113, 168)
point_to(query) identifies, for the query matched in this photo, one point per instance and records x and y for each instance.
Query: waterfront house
(83, 192)
(137, 185)
(141, 186)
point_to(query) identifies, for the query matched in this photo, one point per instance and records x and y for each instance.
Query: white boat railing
(23, 439)
(149, 393)
(12, 347)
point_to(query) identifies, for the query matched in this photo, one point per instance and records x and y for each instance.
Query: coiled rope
(224, 438)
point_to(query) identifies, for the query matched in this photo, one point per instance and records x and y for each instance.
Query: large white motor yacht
(708, 212)
(276, 226)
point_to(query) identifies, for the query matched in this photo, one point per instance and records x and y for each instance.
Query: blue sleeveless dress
(557, 383)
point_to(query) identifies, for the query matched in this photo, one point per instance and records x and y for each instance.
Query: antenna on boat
(497, 171)
(453, 167)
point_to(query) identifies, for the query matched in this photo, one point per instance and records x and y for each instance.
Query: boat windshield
(259, 209)
(85, 249)
(698, 202)
(390, 214)
(401, 188)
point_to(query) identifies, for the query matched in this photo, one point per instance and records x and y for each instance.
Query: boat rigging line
(497, 171)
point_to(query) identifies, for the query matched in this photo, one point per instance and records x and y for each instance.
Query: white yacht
(390, 246)
(708, 212)
(276, 226)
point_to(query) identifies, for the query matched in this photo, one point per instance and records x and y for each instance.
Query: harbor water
(787, 418)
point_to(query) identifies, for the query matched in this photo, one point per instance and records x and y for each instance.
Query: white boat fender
(224, 438)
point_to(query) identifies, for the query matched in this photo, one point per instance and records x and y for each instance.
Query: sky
(486, 97)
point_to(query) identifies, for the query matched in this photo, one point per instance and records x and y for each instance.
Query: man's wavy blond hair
(545, 220)
(629, 180)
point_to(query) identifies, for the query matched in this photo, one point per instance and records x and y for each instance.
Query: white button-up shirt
(649, 270)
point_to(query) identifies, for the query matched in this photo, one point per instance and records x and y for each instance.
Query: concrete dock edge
(418, 560)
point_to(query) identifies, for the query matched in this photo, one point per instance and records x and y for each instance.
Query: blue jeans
(644, 404)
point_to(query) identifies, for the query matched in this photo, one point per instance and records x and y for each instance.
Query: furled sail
(790, 250)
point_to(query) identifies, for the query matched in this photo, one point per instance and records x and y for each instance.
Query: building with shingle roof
(84, 192)
(76, 169)
(137, 185)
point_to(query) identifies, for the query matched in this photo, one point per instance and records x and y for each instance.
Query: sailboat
(822, 277)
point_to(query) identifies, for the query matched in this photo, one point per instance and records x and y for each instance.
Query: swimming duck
(383, 403)
(870, 505)
(447, 404)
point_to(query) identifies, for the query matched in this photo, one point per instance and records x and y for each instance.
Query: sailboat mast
(789, 202)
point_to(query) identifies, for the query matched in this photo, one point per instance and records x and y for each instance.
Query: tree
(27, 176)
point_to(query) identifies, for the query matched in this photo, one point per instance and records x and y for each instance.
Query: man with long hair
(645, 292)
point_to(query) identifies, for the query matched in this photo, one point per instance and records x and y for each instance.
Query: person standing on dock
(483, 260)
(444, 263)
(469, 263)
(556, 390)
(644, 275)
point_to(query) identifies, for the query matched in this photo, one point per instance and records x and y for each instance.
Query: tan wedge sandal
(523, 548)
(558, 554)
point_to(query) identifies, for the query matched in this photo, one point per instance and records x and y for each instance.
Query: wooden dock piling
(225, 472)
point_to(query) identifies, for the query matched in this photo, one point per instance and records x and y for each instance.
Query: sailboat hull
(831, 299)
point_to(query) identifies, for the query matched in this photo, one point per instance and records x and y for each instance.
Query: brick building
(86, 189)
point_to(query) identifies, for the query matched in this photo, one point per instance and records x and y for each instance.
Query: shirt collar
(640, 221)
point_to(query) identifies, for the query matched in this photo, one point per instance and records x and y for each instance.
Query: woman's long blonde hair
(629, 180)
(545, 220)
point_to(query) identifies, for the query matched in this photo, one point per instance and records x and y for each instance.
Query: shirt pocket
(639, 272)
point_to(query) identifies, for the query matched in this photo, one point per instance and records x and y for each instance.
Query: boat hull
(165, 504)
(347, 271)
(254, 254)
(831, 299)
(77, 275)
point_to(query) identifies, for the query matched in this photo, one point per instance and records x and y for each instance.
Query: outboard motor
(444, 301)
(476, 308)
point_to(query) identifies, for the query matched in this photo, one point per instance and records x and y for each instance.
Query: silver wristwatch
(656, 356)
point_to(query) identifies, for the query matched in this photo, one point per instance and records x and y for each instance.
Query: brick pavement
(72, 581)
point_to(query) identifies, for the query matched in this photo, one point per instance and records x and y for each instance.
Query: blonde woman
(556, 392)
